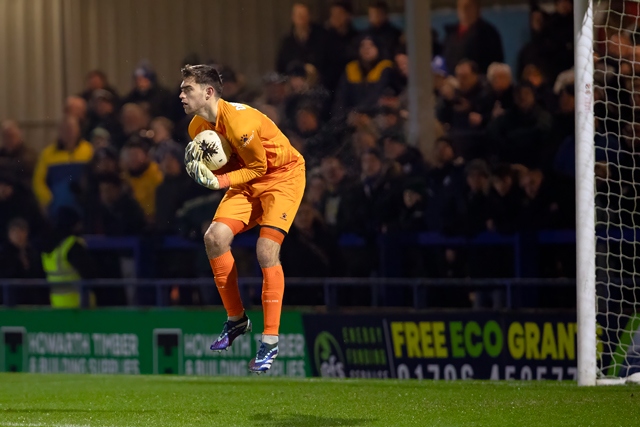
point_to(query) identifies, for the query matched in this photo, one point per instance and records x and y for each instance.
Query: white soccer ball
(216, 150)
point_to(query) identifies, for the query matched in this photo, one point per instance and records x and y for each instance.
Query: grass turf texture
(81, 400)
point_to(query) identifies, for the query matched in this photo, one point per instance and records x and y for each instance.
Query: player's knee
(268, 253)
(218, 238)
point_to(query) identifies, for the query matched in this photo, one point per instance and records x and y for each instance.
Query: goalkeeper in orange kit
(265, 177)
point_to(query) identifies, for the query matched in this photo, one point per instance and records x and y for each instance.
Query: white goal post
(607, 96)
(585, 192)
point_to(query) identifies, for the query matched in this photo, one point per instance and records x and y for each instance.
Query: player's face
(193, 96)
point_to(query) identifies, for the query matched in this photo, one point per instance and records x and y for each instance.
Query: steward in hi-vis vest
(66, 261)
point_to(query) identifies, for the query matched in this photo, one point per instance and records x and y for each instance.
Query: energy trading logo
(328, 356)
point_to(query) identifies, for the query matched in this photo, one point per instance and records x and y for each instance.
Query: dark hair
(381, 5)
(110, 178)
(343, 5)
(472, 64)
(204, 75)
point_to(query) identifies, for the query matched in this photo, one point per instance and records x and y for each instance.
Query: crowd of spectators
(502, 161)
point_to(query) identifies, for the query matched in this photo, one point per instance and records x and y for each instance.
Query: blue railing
(378, 288)
(388, 246)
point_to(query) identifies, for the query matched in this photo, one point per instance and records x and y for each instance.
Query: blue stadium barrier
(523, 245)
(420, 301)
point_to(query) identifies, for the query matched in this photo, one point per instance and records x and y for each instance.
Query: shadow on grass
(97, 411)
(301, 420)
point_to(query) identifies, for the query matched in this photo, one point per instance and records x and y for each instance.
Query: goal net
(609, 120)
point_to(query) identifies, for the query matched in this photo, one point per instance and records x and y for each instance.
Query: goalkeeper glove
(192, 152)
(203, 176)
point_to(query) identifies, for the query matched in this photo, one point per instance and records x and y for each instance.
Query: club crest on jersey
(283, 216)
(246, 139)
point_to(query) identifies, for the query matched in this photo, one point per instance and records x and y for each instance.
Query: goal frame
(585, 193)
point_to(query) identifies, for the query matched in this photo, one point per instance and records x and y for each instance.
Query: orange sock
(272, 292)
(226, 277)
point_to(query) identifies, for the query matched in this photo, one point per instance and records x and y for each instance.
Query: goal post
(585, 192)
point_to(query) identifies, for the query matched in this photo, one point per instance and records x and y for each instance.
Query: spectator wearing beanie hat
(365, 78)
(148, 92)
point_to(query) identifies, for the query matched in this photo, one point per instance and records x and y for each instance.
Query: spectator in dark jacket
(521, 134)
(103, 114)
(499, 97)
(382, 29)
(148, 92)
(97, 80)
(175, 189)
(364, 80)
(18, 259)
(505, 198)
(306, 43)
(117, 213)
(341, 42)
(409, 158)
(16, 158)
(17, 201)
(472, 37)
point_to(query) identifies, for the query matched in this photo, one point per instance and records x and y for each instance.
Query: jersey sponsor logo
(238, 106)
(246, 139)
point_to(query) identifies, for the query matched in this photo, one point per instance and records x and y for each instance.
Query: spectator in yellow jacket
(60, 167)
(142, 174)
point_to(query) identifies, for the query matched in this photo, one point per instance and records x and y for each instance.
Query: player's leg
(230, 219)
(268, 251)
(280, 202)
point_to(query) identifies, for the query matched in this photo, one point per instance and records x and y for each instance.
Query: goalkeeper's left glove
(203, 176)
(192, 152)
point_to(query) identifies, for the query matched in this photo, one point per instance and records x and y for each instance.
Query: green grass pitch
(28, 400)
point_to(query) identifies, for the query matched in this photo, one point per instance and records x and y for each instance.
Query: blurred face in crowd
(410, 198)
(467, 79)
(362, 141)
(564, 7)
(377, 17)
(142, 83)
(76, 106)
(619, 45)
(468, 11)
(134, 118)
(103, 107)
(95, 81)
(536, 21)
(402, 62)
(105, 165)
(297, 84)
(371, 165)
(332, 170)
(368, 50)
(386, 121)
(444, 152)
(393, 149)
(339, 18)
(275, 93)
(531, 182)
(109, 193)
(134, 158)
(305, 217)
(6, 191)
(160, 129)
(500, 79)
(316, 189)
(631, 136)
(477, 181)
(502, 184)
(533, 75)
(307, 121)
(525, 99)
(170, 166)
(69, 132)
(11, 135)
(19, 236)
(300, 16)
(566, 102)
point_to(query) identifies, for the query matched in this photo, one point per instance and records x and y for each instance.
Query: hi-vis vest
(58, 269)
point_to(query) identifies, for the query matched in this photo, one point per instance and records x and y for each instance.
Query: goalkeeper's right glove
(203, 176)
(192, 152)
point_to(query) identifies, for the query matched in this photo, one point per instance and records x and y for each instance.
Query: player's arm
(245, 138)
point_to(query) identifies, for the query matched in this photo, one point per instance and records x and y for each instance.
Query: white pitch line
(3, 424)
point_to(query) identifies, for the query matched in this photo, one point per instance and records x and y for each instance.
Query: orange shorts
(271, 200)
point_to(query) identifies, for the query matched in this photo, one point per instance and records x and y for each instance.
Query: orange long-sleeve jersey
(259, 147)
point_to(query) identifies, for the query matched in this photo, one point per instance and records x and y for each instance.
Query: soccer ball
(216, 150)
